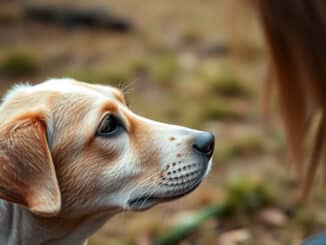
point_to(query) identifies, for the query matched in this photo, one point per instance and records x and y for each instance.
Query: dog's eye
(109, 126)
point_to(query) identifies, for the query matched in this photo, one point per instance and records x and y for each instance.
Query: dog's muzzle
(180, 177)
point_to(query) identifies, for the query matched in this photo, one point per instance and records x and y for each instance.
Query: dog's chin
(147, 201)
(171, 189)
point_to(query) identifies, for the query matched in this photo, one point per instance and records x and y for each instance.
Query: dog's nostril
(203, 143)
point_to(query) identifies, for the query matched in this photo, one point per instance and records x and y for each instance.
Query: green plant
(190, 223)
(242, 196)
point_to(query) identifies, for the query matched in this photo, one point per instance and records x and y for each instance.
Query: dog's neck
(18, 226)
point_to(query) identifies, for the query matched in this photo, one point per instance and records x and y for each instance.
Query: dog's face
(71, 147)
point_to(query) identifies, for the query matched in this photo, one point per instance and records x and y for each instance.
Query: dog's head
(71, 147)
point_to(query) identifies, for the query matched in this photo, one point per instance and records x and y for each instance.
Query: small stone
(273, 217)
(234, 237)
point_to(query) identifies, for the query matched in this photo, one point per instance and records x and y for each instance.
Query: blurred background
(198, 63)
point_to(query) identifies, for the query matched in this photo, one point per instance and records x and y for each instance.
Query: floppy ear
(27, 174)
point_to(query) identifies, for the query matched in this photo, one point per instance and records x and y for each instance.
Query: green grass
(113, 77)
(19, 62)
(164, 70)
(189, 224)
(245, 196)
(239, 147)
(229, 85)
(161, 70)
(220, 110)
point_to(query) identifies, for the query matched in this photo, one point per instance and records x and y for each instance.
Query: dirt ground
(196, 63)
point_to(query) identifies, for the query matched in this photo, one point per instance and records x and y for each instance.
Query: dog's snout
(203, 143)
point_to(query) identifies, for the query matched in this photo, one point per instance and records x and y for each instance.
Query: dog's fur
(60, 181)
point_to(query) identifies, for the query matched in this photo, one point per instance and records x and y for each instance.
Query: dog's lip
(142, 200)
(146, 201)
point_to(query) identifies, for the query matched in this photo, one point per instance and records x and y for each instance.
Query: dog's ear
(27, 173)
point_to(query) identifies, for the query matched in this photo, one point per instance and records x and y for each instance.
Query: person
(295, 33)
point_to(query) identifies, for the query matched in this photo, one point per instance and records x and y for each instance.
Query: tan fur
(53, 163)
(27, 171)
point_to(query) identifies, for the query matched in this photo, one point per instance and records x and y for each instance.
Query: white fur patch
(16, 89)
(62, 85)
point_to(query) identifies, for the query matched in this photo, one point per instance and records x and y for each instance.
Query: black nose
(204, 143)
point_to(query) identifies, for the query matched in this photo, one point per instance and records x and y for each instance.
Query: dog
(73, 154)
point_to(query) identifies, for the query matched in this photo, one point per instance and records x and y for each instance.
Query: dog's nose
(203, 143)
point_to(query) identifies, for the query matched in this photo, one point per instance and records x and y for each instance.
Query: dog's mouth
(173, 185)
(146, 201)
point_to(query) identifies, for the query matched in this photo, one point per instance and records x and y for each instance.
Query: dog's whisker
(138, 186)
(153, 184)
(126, 87)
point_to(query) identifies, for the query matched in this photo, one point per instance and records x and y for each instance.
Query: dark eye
(109, 126)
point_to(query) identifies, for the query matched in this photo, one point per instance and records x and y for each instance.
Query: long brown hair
(295, 31)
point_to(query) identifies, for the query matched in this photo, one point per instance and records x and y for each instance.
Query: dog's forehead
(60, 97)
(71, 86)
(65, 86)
